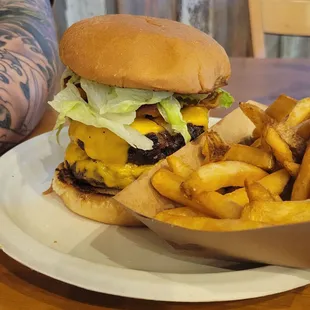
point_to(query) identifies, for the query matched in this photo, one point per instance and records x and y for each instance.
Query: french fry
(214, 148)
(255, 134)
(258, 117)
(168, 185)
(301, 188)
(300, 113)
(179, 167)
(274, 182)
(296, 143)
(257, 143)
(213, 176)
(284, 212)
(181, 211)
(219, 205)
(209, 224)
(291, 168)
(281, 107)
(280, 148)
(257, 192)
(250, 155)
(303, 130)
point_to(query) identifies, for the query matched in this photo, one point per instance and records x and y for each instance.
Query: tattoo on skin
(28, 66)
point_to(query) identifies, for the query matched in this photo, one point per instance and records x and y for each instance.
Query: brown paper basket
(285, 245)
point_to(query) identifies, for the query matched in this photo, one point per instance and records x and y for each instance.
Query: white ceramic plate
(39, 232)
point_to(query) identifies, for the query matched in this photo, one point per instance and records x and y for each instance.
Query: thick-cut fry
(258, 116)
(296, 143)
(213, 176)
(279, 147)
(303, 130)
(219, 205)
(301, 188)
(257, 143)
(181, 211)
(284, 212)
(250, 155)
(281, 107)
(257, 192)
(214, 148)
(300, 113)
(291, 168)
(209, 224)
(179, 167)
(274, 182)
(168, 185)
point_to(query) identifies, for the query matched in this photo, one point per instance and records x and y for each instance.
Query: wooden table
(22, 288)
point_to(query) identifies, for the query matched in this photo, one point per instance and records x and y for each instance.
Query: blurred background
(228, 21)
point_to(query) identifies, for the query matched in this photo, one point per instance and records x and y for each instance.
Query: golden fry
(219, 205)
(181, 211)
(214, 148)
(257, 116)
(209, 224)
(289, 135)
(279, 147)
(250, 155)
(168, 185)
(301, 188)
(255, 134)
(300, 113)
(284, 212)
(274, 182)
(214, 176)
(281, 107)
(303, 130)
(291, 168)
(178, 167)
(257, 192)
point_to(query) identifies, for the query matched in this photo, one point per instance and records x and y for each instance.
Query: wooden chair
(283, 17)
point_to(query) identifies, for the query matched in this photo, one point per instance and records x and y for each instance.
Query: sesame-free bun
(94, 206)
(146, 53)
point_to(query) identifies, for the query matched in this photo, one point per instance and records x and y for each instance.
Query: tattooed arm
(28, 66)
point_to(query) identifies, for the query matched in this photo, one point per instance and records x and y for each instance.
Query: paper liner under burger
(285, 245)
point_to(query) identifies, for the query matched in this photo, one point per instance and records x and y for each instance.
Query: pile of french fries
(245, 186)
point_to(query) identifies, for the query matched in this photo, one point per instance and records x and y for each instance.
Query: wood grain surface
(22, 288)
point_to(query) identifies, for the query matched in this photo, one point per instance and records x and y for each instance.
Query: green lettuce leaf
(226, 99)
(170, 110)
(106, 99)
(69, 103)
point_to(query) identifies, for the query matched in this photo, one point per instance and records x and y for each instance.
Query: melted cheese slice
(198, 116)
(113, 175)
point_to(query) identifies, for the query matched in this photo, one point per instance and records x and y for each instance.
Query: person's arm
(28, 66)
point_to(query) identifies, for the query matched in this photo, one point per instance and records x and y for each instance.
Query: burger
(136, 89)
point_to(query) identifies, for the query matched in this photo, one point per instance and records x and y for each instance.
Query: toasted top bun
(146, 53)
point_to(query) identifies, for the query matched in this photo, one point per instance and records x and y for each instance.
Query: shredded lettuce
(69, 103)
(170, 110)
(106, 99)
(226, 99)
(115, 108)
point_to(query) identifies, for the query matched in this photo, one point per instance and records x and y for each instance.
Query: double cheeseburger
(136, 89)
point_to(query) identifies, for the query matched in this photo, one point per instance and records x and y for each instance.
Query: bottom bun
(94, 206)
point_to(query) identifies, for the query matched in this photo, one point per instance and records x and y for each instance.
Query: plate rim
(162, 284)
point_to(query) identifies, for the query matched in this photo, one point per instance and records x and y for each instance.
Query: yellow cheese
(100, 143)
(104, 145)
(198, 116)
(145, 126)
(112, 175)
